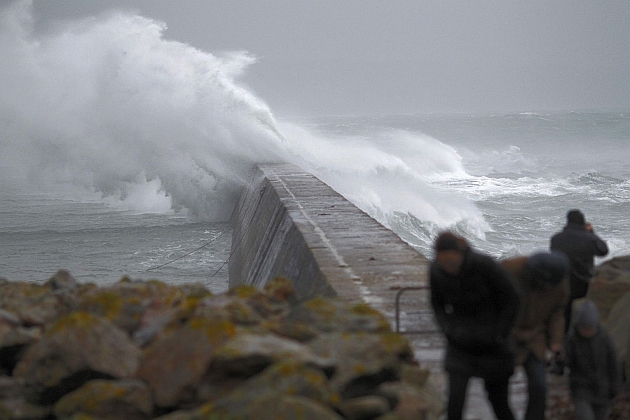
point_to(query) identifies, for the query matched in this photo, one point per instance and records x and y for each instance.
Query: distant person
(578, 241)
(539, 327)
(594, 373)
(475, 302)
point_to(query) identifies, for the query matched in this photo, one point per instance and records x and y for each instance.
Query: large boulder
(62, 280)
(610, 290)
(32, 304)
(229, 308)
(14, 402)
(618, 326)
(21, 409)
(77, 348)
(107, 400)
(286, 407)
(363, 360)
(247, 354)
(176, 361)
(610, 283)
(322, 315)
(279, 380)
(132, 305)
(14, 339)
(413, 402)
(283, 407)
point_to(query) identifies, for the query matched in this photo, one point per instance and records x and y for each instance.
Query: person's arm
(600, 247)
(508, 298)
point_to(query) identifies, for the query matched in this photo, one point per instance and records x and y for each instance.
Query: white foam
(107, 102)
(109, 106)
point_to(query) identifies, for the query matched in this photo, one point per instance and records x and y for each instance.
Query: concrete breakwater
(289, 223)
(292, 338)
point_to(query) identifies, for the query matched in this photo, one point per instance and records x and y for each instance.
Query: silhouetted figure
(475, 302)
(578, 241)
(594, 373)
(539, 328)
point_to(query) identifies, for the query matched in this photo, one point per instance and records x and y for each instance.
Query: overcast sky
(344, 57)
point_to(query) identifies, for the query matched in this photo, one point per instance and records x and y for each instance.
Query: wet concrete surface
(341, 247)
(418, 324)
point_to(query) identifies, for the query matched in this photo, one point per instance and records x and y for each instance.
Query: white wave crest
(110, 106)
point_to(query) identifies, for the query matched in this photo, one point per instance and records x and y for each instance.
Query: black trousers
(497, 390)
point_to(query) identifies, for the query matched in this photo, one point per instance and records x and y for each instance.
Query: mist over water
(112, 136)
(110, 107)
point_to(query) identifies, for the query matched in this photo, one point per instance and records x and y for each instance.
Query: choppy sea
(122, 153)
(504, 181)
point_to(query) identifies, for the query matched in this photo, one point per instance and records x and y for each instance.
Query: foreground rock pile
(144, 350)
(610, 290)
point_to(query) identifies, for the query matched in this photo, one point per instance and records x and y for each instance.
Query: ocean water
(123, 153)
(505, 181)
(99, 242)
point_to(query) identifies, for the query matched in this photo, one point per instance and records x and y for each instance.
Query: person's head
(547, 269)
(449, 252)
(576, 217)
(587, 322)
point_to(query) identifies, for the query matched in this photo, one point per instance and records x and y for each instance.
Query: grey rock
(364, 408)
(77, 348)
(107, 400)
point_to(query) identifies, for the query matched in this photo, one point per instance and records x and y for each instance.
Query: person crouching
(539, 328)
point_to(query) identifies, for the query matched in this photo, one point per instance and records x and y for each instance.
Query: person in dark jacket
(578, 241)
(539, 328)
(475, 301)
(594, 373)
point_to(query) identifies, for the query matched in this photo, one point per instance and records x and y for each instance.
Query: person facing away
(539, 327)
(594, 373)
(475, 302)
(580, 243)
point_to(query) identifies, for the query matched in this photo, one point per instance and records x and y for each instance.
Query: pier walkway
(289, 223)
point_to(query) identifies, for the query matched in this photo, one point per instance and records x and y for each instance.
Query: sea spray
(107, 105)
(391, 175)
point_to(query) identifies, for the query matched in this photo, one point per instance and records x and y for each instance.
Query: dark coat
(476, 310)
(594, 373)
(540, 321)
(580, 246)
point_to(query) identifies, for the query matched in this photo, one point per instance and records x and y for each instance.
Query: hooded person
(594, 372)
(475, 302)
(539, 327)
(580, 244)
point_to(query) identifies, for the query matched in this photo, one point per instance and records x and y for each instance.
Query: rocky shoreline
(610, 290)
(149, 350)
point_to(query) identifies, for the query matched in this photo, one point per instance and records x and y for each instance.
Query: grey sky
(335, 57)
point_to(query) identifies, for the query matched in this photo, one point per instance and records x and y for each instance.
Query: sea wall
(289, 223)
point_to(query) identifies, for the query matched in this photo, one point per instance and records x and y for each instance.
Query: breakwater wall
(289, 223)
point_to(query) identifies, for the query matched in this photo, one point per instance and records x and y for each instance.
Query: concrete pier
(289, 223)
